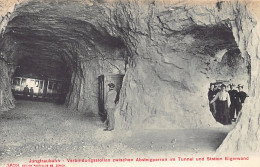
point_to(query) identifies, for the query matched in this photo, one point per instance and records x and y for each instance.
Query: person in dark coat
(26, 91)
(211, 94)
(31, 92)
(233, 99)
(222, 107)
(241, 97)
(217, 87)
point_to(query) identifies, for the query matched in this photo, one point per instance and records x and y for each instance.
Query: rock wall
(6, 98)
(245, 137)
(83, 94)
(173, 64)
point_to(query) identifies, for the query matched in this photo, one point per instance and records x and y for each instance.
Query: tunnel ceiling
(47, 39)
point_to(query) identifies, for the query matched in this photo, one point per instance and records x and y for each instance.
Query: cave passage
(68, 53)
(48, 53)
(225, 67)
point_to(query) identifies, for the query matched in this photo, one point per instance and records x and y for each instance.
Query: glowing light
(30, 82)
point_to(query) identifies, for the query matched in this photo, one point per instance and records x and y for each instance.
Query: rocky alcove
(169, 52)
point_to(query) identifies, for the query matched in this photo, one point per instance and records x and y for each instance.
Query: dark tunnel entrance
(40, 75)
(220, 63)
(54, 55)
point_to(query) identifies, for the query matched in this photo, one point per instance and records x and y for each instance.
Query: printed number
(12, 165)
(60, 165)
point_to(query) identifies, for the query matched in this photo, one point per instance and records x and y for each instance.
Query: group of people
(225, 105)
(28, 92)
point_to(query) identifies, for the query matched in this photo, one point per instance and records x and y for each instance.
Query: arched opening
(50, 52)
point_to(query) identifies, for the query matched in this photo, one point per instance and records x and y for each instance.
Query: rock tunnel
(169, 52)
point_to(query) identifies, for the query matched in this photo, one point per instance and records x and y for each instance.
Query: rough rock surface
(176, 58)
(6, 99)
(168, 76)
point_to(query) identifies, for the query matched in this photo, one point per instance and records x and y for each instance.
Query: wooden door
(101, 97)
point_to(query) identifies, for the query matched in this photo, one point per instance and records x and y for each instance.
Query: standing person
(26, 91)
(233, 98)
(217, 87)
(241, 97)
(31, 92)
(211, 94)
(110, 107)
(222, 106)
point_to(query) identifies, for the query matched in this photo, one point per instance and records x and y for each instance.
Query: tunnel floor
(46, 130)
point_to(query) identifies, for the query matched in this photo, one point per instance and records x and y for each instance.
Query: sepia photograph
(132, 83)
